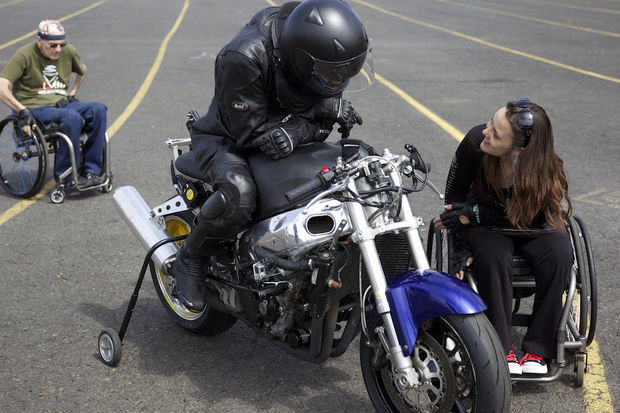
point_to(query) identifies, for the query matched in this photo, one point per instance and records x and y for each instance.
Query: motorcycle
(334, 251)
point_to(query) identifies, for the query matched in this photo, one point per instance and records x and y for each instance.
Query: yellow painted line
(575, 6)
(150, 76)
(10, 3)
(596, 391)
(139, 96)
(534, 19)
(67, 17)
(591, 193)
(22, 205)
(489, 44)
(446, 126)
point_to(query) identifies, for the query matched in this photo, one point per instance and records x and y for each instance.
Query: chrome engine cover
(296, 232)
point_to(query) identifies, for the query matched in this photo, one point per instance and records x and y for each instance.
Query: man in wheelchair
(506, 174)
(35, 84)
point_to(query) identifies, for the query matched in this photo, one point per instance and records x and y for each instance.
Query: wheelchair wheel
(23, 159)
(580, 369)
(57, 196)
(438, 243)
(586, 278)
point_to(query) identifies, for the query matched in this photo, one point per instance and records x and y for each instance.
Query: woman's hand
(445, 220)
(462, 260)
(456, 216)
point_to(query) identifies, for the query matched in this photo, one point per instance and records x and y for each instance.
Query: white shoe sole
(514, 369)
(533, 368)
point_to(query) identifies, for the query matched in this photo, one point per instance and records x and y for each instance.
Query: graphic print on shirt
(51, 83)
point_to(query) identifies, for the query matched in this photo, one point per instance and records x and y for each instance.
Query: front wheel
(208, 321)
(459, 359)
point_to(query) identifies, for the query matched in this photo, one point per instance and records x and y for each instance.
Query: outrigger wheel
(110, 347)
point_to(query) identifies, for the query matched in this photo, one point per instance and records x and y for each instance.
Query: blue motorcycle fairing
(416, 297)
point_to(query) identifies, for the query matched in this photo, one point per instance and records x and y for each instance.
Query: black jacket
(252, 90)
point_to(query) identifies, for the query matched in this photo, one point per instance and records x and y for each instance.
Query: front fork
(407, 375)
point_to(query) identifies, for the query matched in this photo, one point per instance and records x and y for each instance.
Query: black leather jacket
(252, 91)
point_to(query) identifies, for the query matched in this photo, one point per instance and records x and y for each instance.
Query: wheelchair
(23, 160)
(577, 324)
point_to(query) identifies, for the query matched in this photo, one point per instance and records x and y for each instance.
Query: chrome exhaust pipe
(148, 228)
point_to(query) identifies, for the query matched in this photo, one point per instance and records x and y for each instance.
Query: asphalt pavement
(443, 66)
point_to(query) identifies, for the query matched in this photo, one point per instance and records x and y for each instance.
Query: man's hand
(26, 121)
(72, 98)
(276, 143)
(341, 111)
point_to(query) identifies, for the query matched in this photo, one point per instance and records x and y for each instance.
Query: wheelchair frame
(578, 320)
(21, 154)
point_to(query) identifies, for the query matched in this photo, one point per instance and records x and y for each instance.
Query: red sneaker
(533, 364)
(513, 364)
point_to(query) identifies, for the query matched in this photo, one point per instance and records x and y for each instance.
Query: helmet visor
(338, 72)
(365, 78)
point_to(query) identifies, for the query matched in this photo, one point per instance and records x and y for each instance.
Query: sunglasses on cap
(526, 119)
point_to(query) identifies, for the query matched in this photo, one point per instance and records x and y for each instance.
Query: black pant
(551, 257)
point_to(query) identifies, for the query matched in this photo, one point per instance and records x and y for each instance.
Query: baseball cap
(51, 30)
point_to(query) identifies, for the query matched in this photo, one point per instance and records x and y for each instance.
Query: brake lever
(431, 185)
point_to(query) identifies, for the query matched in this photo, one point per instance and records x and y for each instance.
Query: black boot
(189, 272)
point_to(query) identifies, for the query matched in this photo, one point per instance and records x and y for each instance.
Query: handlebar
(314, 186)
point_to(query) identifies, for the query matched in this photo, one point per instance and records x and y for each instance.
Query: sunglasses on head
(526, 119)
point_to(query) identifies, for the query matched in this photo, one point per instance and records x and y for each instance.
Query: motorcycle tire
(475, 379)
(209, 321)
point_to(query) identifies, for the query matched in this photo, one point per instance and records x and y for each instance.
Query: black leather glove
(277, 143)
(62, 103)
(451, 218)
(25, 118)
(338, 110)
(280, 141)
(65, 101)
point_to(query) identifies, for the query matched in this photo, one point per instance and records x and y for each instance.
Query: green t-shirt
(38, 81)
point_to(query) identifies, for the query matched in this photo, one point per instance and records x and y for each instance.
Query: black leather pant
(229, 173)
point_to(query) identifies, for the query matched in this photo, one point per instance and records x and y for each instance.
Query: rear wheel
(586, 277)
(208, 321)
(23, 160)
(459, 357)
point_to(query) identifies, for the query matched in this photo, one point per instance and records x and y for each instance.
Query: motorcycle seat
(271, 183)
(187, 165)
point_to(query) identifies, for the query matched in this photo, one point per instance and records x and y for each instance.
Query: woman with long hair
(506, 176)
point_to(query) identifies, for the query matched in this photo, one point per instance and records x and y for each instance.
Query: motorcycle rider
(278, 85)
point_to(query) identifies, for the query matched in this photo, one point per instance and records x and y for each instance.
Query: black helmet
(324, 44)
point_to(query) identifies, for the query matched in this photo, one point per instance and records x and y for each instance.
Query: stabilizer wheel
(57, 196)
(110, 347)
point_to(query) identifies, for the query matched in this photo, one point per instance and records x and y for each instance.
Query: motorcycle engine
(294, 233)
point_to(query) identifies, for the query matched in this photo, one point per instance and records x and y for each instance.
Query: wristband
(477, 212)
